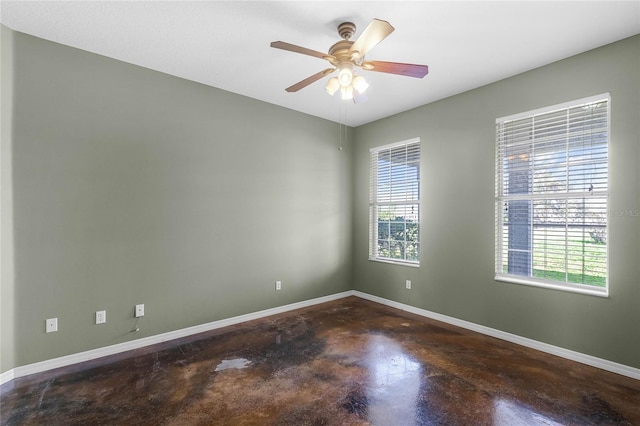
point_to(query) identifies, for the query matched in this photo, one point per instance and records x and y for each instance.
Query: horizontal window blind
(552, 195)
(394, 206)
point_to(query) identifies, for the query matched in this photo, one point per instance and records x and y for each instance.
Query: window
(552, 196)
(394, 203)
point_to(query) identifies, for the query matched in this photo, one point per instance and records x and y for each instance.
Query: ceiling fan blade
(409, 70)
(376, 31)
(307, 81)
(297, 49)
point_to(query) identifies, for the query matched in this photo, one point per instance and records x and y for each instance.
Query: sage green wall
(6, 201)
(121, 185)
(455, 277)
(132, 186)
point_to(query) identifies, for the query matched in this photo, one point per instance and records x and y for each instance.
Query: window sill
(572, 288)
(395, 262)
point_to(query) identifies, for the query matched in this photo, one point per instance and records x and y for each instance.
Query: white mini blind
(552, 195)
(394, 206)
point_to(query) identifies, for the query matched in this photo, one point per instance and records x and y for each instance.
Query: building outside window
(394, 203)
(552, 196)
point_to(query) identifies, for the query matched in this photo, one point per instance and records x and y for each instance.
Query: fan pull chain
(342, 120)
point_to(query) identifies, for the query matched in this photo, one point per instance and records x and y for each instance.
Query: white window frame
(374, 203)
(500, 275)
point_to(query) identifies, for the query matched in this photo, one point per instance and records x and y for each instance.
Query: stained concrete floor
(347, 362)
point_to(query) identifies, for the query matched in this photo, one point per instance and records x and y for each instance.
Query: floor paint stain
(237, 363)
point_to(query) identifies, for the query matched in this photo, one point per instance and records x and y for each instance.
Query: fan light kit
(346, 55)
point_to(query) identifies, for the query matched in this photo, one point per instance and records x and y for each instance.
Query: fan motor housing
(341, 49)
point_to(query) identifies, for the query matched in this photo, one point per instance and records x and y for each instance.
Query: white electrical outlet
(52, 325)
(139, 310)
(407, 284)
(278, 285)
(101, 317)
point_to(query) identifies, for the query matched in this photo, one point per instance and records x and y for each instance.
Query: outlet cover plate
(139, 310)
(278, 285)
(52, 325)
(101, 317)
(408, 284)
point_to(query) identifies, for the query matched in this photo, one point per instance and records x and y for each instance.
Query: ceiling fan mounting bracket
(346, 30)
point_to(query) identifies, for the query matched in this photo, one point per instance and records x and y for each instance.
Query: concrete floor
(348, 362)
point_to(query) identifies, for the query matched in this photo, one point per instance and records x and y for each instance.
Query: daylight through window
(394, 206)
(552, 196)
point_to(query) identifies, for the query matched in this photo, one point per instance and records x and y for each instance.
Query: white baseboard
(593, 361)
(7, 376)
(64, 361)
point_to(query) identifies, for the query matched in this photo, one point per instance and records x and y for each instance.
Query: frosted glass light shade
(345, 75)
(347, 92)
(360, 84)
(332, 86)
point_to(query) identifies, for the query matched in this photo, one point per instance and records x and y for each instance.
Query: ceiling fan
(346, 55)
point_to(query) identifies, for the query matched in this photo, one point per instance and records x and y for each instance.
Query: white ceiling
(225, 44)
